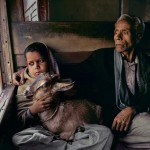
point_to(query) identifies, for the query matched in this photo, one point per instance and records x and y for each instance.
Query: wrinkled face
(36, 63)
(123, 37)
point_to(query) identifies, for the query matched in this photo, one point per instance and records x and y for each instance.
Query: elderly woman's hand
(18, 77)
(123, 119)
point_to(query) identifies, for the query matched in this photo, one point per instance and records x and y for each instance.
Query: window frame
(6, 62)
(6, 72)
(42, 10)
(1, 82)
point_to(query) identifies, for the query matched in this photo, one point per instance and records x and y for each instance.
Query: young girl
(39, 59)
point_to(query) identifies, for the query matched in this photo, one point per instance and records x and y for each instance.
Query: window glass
(31, 10)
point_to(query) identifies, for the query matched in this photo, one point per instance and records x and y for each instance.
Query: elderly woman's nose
(119, 35)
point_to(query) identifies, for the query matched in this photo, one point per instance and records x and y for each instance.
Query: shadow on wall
(72, 42)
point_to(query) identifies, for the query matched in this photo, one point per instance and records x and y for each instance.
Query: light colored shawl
(53, 64)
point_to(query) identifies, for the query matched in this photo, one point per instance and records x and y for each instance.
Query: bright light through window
(31, 10)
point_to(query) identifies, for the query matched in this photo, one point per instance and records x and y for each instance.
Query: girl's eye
(41, 60)
(31, 63)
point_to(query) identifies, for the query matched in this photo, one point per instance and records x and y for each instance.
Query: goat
(63, 118)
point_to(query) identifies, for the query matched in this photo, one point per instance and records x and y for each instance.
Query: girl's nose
(36, 65)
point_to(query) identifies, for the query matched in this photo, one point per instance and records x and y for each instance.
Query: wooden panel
(84, 10)
(85, 36)
(6, 44)
(15, 9)
(71, 41)
(139, 8)
(20, 59)
(43, 10)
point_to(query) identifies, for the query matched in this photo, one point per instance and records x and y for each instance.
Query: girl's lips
(37, 73)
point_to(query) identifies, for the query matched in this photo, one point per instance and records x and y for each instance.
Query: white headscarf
(54, 70)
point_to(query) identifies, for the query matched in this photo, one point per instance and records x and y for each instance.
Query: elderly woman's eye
(115, 32)
(125, 32)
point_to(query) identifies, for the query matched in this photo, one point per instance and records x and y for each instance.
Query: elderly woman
(132, 83)
(119, 80)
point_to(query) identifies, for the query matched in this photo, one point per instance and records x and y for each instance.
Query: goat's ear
(62, 85)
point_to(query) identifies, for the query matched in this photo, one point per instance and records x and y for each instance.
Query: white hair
(136, 22)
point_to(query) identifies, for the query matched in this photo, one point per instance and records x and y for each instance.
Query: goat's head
(46, 84)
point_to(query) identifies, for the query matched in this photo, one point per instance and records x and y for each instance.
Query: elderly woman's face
(123, 37)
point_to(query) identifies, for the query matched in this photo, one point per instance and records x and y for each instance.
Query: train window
(31, 10)
(36, 10)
